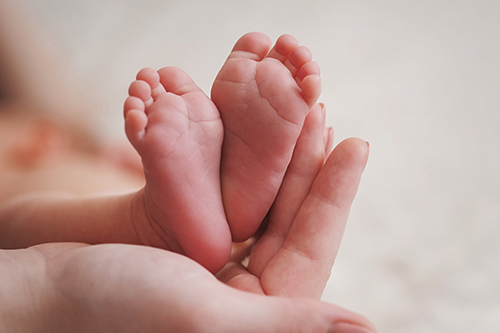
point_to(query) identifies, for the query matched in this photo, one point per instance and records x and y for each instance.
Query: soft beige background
(419, 80)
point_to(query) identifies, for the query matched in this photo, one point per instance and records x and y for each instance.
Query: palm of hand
(130, 288)
(296, 252)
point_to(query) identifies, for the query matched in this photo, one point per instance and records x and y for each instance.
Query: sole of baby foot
(177, 131)
(263, 94)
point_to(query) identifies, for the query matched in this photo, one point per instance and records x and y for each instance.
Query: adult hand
(296, 251)
(69, 287)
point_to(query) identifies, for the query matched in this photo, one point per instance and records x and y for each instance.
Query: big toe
(253, 45)
(176, 81)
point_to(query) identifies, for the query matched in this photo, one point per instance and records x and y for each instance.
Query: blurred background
(419, 80)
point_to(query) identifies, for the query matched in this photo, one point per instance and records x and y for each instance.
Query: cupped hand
(295, 254)
(130, 288)
(70, 287)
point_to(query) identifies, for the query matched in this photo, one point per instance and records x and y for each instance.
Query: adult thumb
(249, 312)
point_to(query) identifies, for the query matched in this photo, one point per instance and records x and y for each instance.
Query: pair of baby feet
(213, 167)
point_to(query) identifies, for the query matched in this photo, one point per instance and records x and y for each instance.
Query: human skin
(54, 216)
(69, 287)
(38, 291)
(82, 288)
(177, 131)
(263, 93)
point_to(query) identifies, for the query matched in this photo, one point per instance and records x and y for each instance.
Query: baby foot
(178, 132)
(263, 96)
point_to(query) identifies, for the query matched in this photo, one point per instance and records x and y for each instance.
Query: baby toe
(311, 89)
(253, 45)
(309, 68)
(283, 47)
(152, 77)
(135, 125)
(133, 103)
(297, 58)
(177, 81)
(142, 90)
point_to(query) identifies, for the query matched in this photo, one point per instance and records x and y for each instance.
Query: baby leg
(178, 132)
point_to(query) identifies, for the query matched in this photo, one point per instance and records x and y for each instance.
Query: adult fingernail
(349, 328)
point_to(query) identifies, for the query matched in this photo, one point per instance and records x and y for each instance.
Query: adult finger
(303, 264)
(248, 312)
(308, 158)
(328, 140)
(301, 315)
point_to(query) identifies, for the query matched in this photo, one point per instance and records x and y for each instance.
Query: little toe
(133, 103)
(152, 77)
(142, 90)
(297, 58)
(311, 89)
(253, 45)
(309, 80)
(309, 68)
(135, 125)
(283, 47)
